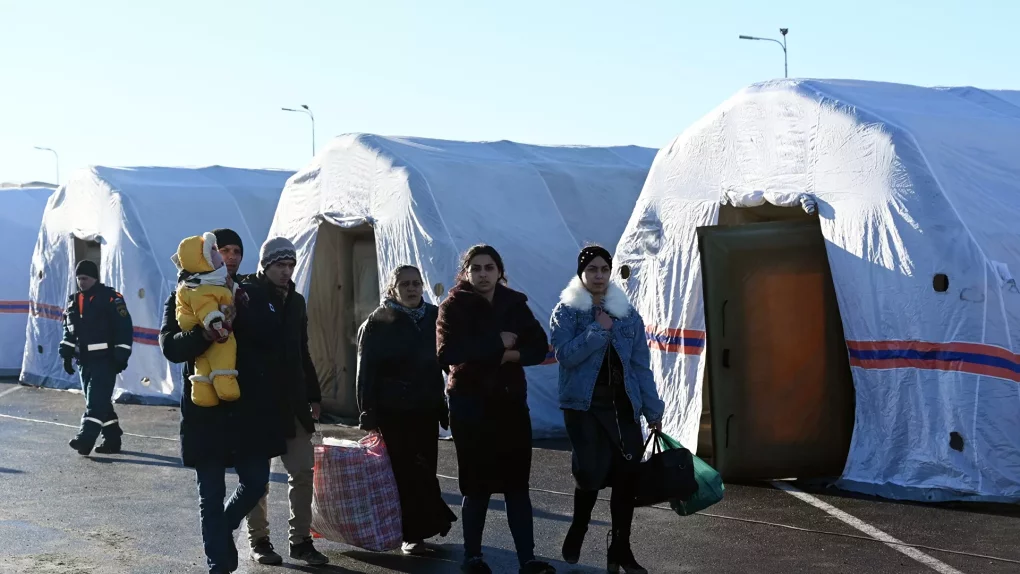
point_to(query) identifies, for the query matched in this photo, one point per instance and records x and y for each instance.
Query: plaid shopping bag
(355, 498)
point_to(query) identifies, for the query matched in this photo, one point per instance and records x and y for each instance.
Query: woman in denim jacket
(605, 386)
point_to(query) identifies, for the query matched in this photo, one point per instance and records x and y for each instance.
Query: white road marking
(897, 545)
(9, 391)
(855, 522)
(76, 426)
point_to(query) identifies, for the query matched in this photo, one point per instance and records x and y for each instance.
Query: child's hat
(194, 254)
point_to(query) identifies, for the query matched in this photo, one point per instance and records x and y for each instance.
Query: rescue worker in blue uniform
(98, 332)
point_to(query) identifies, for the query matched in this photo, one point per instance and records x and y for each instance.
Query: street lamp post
(304, 109)
(783, 31)
(56, 158)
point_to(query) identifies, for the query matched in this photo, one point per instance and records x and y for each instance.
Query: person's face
(279, 273)
(409, 288)
(596, 276)
(231, 258)
(483, 274)
(217, 259)
(85, 282)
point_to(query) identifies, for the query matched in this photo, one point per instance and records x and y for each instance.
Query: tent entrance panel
(344, 290)
(781, 392)
(90, 250)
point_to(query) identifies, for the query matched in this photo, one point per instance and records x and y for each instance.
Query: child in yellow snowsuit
(202, 294)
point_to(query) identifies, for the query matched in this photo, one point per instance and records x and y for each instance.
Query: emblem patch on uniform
(121, 307)
(271, 308)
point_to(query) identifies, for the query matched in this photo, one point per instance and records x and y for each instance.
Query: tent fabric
(428, 200)
(138, 216)
(21, 211)
(909, 182)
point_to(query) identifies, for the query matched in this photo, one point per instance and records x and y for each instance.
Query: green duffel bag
(710, 487)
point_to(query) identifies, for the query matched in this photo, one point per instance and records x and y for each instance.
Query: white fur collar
(578, 297)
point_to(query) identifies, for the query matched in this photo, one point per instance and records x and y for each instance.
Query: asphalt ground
(137, 512)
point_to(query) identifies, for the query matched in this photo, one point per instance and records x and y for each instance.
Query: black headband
(589, 254)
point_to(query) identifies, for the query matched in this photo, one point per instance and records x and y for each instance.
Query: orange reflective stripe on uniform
(81, 303)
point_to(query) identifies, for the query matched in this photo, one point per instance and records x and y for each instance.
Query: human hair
(391, 285)
(475, 251)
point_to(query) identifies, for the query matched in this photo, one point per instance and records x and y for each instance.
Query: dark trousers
(621, 504)
(412, 439)
(98, 377)
(518, 516)
(218, 521)
(599, 437)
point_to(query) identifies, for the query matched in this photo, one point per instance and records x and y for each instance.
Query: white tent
(367, 204)
(130, 221)
(21, 211)
(917, 193)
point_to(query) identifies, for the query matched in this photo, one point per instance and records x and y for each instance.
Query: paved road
(137, 513)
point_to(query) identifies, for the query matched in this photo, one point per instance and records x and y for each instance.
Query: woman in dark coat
(486, 335)
(400, 394)
(605, 386)
(244, 434)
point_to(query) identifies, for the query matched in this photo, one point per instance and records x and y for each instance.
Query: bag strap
(656, 446)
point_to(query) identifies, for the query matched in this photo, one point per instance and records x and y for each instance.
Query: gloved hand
(444, 418)
(68, 368)
(121, 367)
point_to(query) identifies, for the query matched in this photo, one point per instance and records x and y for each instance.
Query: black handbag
(667, 475)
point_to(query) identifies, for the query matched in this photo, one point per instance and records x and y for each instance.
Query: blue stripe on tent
(948, 356)
(146, 335)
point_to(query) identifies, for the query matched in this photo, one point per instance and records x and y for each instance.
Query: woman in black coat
(244, 434)
(486, 335)
(400, 394)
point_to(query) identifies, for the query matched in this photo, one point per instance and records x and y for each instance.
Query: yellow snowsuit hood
(194, 254)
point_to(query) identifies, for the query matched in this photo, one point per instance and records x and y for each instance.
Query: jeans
(218, 521)
(518, 515)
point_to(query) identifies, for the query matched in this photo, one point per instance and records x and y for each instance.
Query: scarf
(416, 314)
(215, 277)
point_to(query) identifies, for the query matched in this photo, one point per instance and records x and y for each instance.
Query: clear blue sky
(202, 82)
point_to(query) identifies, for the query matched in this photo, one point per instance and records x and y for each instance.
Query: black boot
(619, 555)
(584, 503)
(573, 541)
(109, 446)
(81, 446)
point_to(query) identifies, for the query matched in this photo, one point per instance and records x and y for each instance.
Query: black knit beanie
(225, 237)
(87, 268)
(589, 254)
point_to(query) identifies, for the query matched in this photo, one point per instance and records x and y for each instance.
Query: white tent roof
(138, 216)
(21, 211)
(909, 182)
(429, 200)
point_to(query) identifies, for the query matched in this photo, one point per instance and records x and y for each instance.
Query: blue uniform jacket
(97, 325)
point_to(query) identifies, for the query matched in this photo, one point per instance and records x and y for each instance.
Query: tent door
(90, 250)
(781, 392)
(344, 290)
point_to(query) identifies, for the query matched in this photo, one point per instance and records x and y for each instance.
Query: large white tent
(21, 211)
(130, 221)
(367, 204)
(917, 192)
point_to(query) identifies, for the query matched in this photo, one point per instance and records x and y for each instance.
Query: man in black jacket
(244, 434)
(98, 331)
(299, 397)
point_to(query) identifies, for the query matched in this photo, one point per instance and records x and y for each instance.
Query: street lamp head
(784, 31)
(305, 106)
(748, 38)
